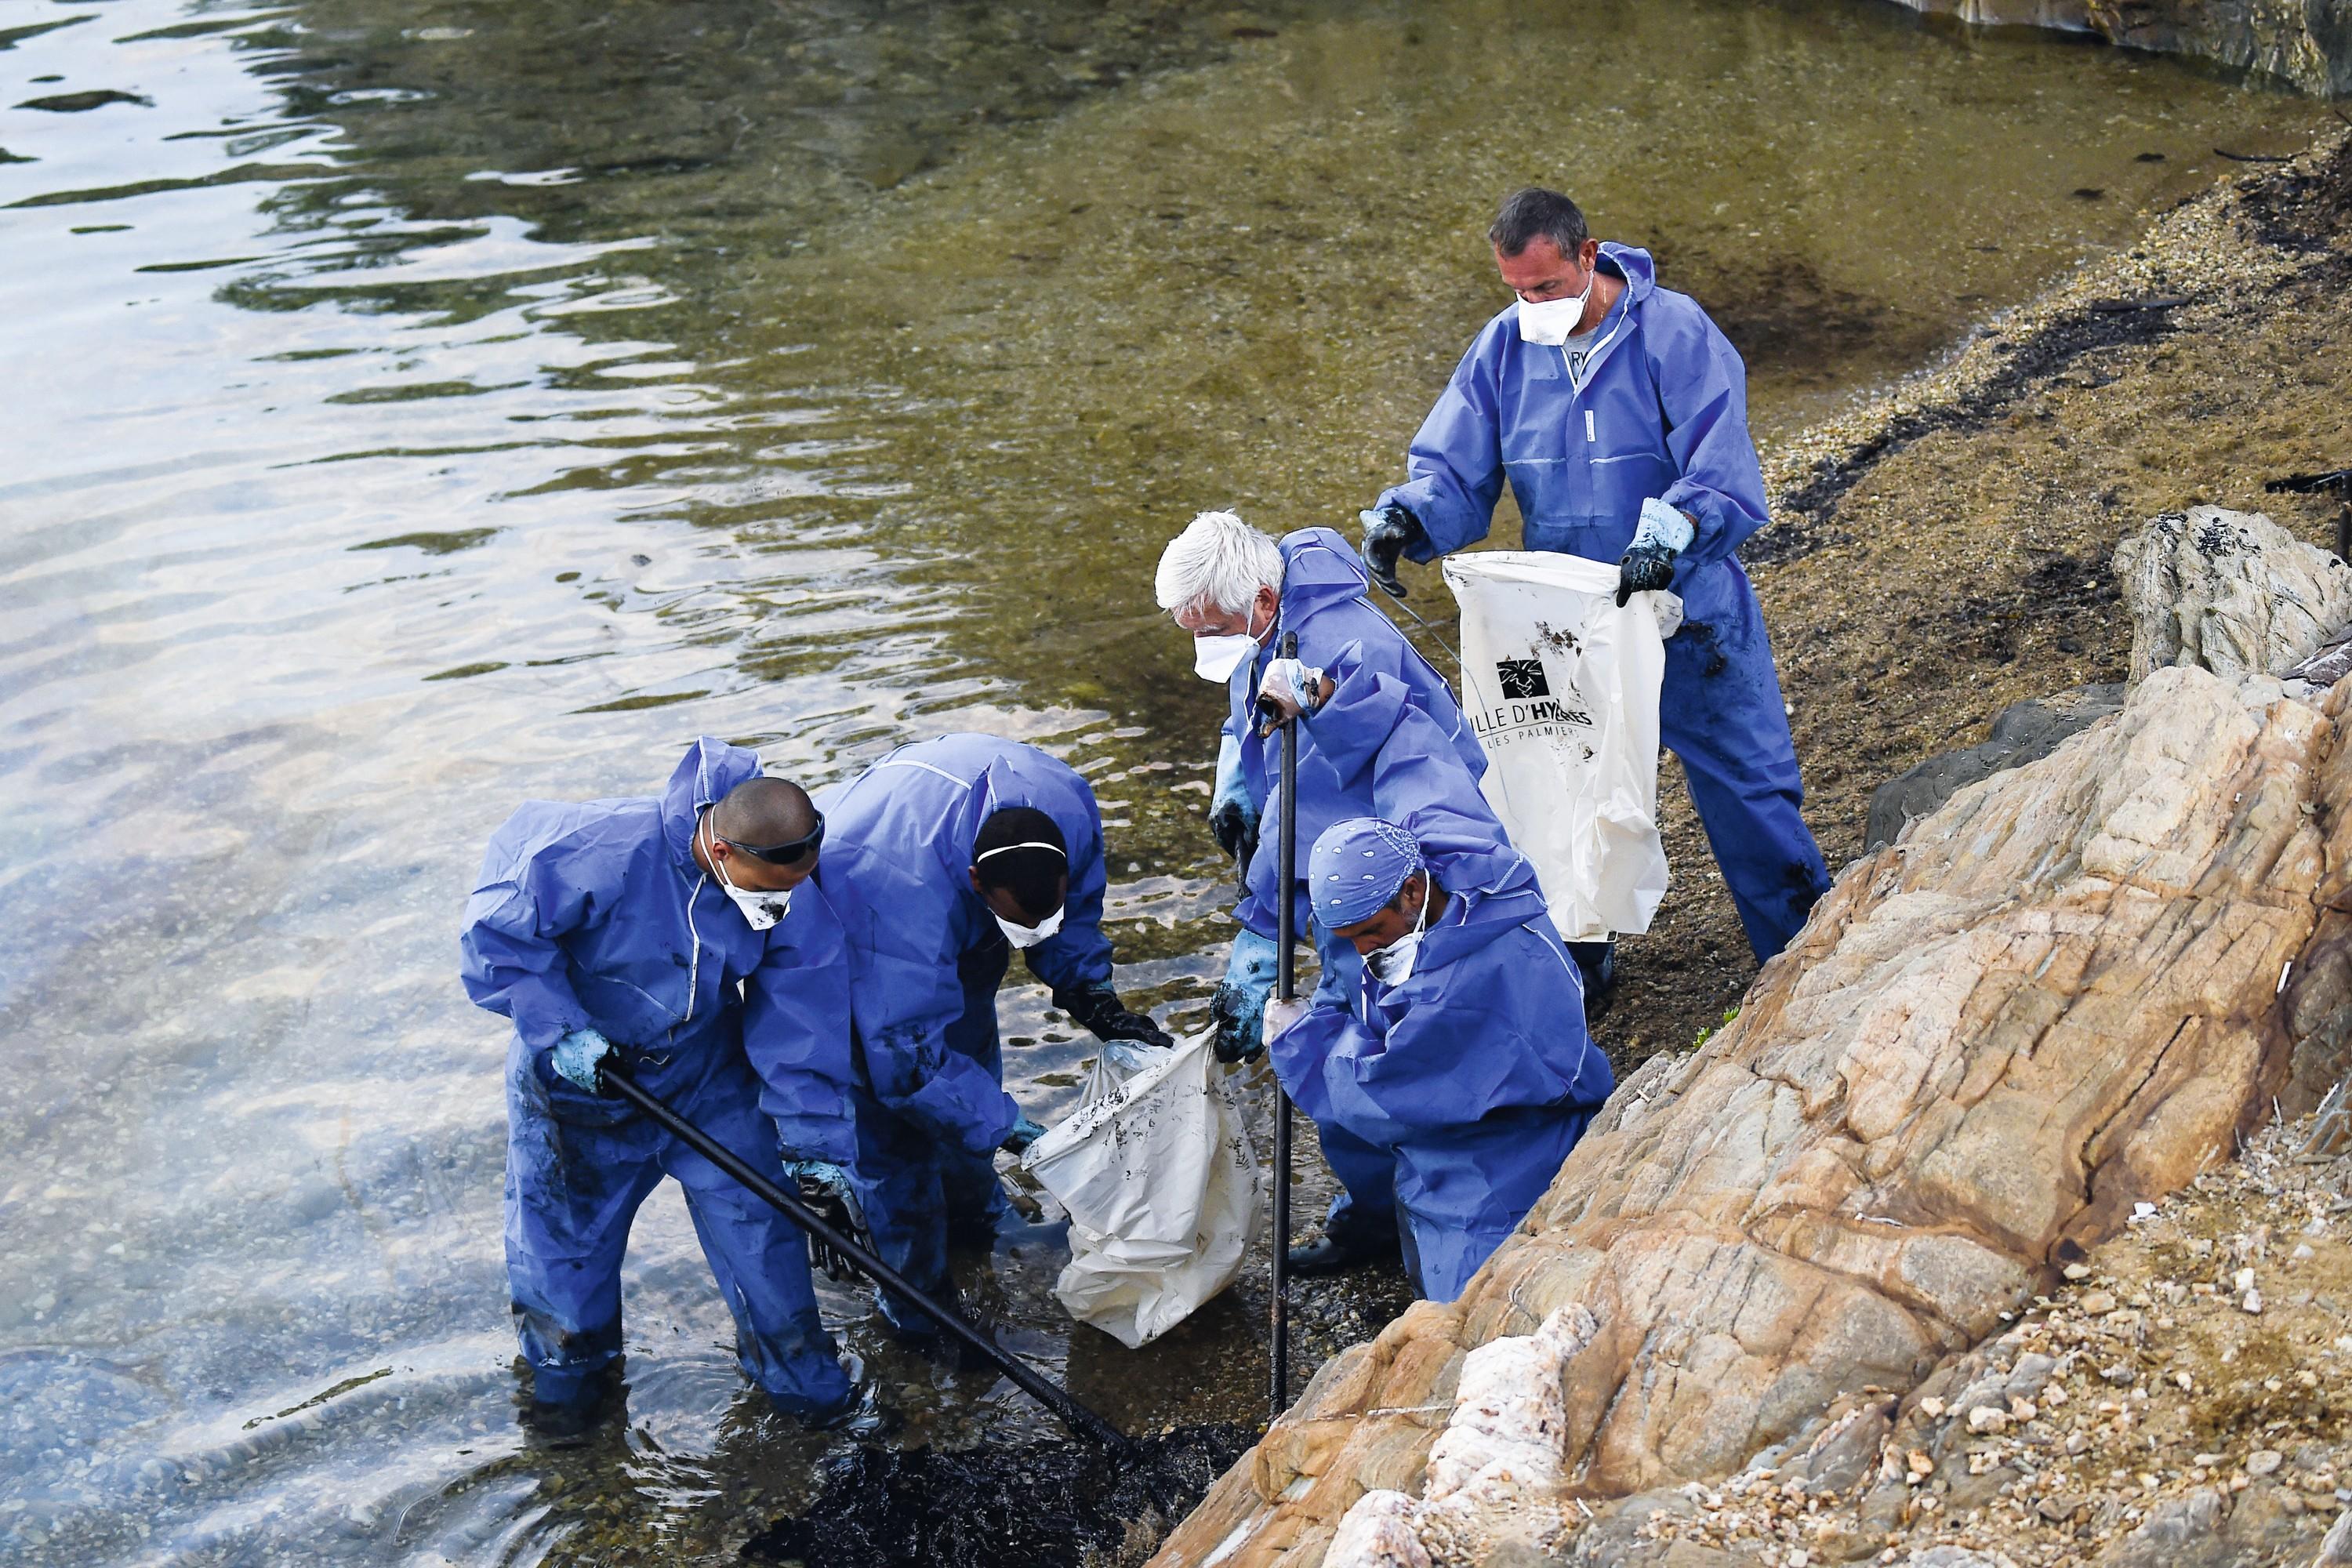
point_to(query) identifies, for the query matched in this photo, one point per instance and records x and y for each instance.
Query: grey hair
(1533, 214)
(1218, 560)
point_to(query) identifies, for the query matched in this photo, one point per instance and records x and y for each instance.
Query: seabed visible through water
(416, 406)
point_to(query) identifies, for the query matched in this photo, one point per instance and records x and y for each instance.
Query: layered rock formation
(2307, 42)
(2230, 592)
(2063, 994)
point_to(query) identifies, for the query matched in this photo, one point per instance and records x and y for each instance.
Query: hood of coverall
(703, 776)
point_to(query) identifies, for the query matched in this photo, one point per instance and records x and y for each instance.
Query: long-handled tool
(1285, 987)
(1053, 1396)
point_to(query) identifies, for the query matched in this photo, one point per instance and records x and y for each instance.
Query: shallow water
(413, 407)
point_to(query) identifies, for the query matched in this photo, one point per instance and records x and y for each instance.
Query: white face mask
(761, 910)
(1392, 965)
(1028, 936)
(1216, 657)
(1554, 320)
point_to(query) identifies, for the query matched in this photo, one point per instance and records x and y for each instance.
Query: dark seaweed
(1041, 1504)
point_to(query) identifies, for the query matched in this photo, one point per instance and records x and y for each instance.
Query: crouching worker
(659, 935)
(946, 857)
(1463, 1053)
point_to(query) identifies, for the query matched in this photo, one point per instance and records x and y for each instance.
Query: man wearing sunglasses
(680, 937)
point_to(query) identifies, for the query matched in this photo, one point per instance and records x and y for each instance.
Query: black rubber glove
(1388, 533)
(1102, 1015)
(824, 1189)
(1644, 569)
(1239, 1019)
(1235, 826)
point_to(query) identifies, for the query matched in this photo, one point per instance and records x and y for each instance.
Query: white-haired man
(1383, 736)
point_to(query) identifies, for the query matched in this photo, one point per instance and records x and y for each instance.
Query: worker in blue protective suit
(1462, 1055)
(944, 859)
(1239, 593)
(1618, 413)
(680, 939)
(1378, 751)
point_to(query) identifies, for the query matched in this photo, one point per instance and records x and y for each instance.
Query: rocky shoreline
(1940, 552)
(2305, 42)
(1755, 1244)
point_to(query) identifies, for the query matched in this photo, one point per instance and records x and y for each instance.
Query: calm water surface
(412, 406)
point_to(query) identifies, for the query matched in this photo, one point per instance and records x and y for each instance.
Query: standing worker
(1463, 1053)
(674, 937)
(1619, 414)
(945, 857)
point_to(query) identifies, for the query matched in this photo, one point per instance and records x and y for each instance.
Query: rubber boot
(1596, 964)
(1344, 1247)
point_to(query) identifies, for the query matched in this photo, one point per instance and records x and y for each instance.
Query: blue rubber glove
(576, 1055)
(825, 1188)
(1135, 1055)
(823, 1178)
(1237, 1011)
(1232, 816)
(1024, 1133)
(1648, 563)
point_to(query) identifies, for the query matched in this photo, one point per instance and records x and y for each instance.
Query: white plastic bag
(1561, 687)
(1164, 1189)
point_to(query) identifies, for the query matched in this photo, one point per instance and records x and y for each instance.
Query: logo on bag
(1522, 677)
(1528, 708)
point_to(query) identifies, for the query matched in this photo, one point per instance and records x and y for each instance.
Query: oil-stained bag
(1164, 1189)
(1561, 687)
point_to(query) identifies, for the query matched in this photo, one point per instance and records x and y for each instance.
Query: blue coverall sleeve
(1703, 389)
(796, 1032)
(1455, 462)
(1078, 957)
(1302, 1050)
(509, 955)
(1448, 1061)
(906, 995)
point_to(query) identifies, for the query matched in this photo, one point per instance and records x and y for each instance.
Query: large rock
(2230, 592)
(2058, 997)
(2025, 732)
(2307, 42)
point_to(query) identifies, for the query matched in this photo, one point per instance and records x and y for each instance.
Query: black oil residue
(1041, 1505)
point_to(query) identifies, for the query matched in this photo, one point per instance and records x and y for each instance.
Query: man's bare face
(1397, 919)
(1206, 620)
(1543, 271)
(754, 875)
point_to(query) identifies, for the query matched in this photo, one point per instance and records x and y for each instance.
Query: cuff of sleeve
(1710, 540)
(835, 1143)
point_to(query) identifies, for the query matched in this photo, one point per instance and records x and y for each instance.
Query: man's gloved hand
(1024, 1133)
(1233, 816)
(1290, 689)
(825, 1188)
(1280, 1015)
(1389, 533)
(1237, 1011)
(1648, 563)
(576, 1055)
(1100, 1012)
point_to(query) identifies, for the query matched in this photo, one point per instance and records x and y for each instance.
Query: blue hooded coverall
(1380, 753)
(1659, 409)
(596, 917)
(1323, 599)
(1474, 1078)
(918, 1115)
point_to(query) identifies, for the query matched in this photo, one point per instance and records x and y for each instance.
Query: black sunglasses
(790, 854)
